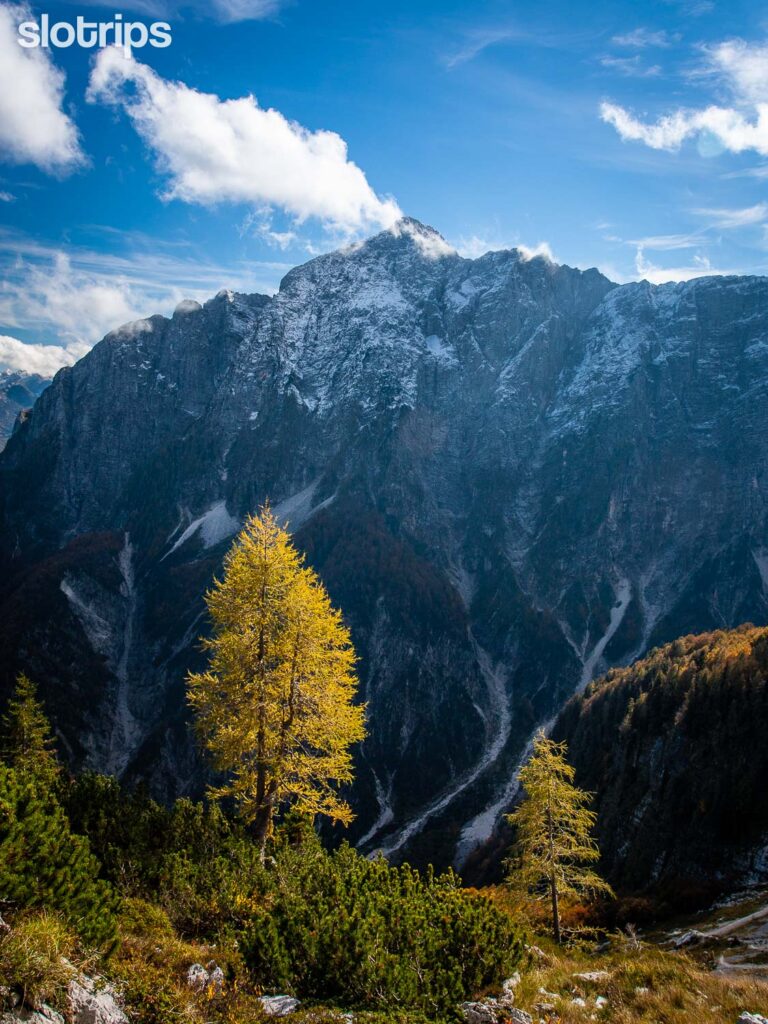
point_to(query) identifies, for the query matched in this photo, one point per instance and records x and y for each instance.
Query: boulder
(491, 1011)
(209, 978)
(90, 1003)
(484, 1011)
(518, 1016)
(197, 977)
(593, 976)
(508, 989)
(278, 1006)
(752, 1018)
(690, 938)
(43, 1015)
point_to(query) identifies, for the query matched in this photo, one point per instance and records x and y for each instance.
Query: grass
(640, 983)
(644, 985)
(35, 959)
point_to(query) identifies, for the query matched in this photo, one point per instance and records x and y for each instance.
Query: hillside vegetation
(675, 749)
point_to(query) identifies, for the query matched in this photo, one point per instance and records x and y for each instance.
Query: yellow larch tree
(275, 708)
(554, 832)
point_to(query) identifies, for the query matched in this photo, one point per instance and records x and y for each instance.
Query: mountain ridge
(510, 475)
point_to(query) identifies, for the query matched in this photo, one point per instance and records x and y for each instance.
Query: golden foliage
(275, 708)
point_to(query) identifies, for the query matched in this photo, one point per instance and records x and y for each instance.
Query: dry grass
(35, 959)
(644, 985)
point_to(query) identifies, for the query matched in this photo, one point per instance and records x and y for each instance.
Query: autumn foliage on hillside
(675, 748)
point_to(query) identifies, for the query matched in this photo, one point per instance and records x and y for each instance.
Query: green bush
(42, 864)
(327, 926)
(341, 928)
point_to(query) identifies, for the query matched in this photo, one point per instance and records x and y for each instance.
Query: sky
(630, 136)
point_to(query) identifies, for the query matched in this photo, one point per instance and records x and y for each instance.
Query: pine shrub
(341, 928)
(42, 864)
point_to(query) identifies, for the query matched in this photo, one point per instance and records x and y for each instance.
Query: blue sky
(628, 136)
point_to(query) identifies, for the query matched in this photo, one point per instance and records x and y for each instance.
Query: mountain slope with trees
(674, 748)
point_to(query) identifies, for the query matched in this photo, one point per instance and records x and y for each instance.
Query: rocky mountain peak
(510, 474)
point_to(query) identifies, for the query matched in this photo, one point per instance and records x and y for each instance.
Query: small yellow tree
(275, 708)
(554, 831)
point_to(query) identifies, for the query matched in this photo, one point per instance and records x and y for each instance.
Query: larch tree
(275, 708)
(554, 832)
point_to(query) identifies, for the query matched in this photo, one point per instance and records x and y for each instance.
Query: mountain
(18, 392)
(510, 475)
(674, 749)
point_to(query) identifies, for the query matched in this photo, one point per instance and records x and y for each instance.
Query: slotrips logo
(127, 35)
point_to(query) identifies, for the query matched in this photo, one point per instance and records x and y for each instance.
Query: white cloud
(245, 10)
(739, 218)
(632, 67)
(478, 40)
(745, 68)
(667, 133)
(215, 150)
(642, 38)
(542, 249)
(701, 267)
(742, 68)
(474, 246)
(30, 358)
(33, 126)
(666, 242)
(226, 11)
(7, 197)
(78, 296)
(430, 242)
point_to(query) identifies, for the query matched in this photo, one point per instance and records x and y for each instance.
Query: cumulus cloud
(745, 67)
(215, 150)
(34, 128)
(742, 68)
(31, 358)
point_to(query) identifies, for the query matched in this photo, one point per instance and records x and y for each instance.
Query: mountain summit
(509, 474)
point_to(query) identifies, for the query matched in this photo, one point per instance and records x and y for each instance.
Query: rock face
(18, 392)
(509, 474)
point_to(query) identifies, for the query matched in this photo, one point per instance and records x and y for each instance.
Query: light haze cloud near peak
(34, 128)
(700, 267)
(474, 246)
(74, 297)
(213, 150)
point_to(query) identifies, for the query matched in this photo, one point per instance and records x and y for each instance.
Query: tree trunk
(553, 875)
(555, 910)
(261, 825)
